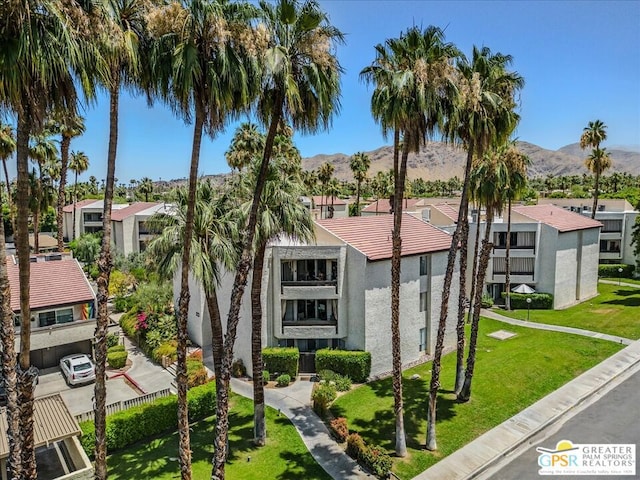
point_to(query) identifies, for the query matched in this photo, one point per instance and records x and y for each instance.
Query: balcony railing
(312, 322)
(309, 283)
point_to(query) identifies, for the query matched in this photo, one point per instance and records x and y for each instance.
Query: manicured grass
(284, 456)
(510, 375)
(609, 313)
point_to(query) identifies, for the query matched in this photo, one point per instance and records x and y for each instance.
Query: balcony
(311, 328)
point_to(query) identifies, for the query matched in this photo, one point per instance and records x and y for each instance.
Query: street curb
(520, 429)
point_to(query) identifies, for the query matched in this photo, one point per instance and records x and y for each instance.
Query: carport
(59, 454)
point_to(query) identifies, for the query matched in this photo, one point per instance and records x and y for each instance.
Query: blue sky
(580, 61)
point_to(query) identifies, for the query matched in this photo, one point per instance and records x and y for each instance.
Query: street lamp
(619, 275)
(528, 307)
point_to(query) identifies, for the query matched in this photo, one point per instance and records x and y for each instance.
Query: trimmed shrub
(115, 348)
(113, 339)
(322, 396)
(486, 301)
(196, 372)
(166, 349)
(343, 384)
(353, 364)
(137, 423)
(611, 270)
(266, 376)
(283, 380)
(238, 369)
(539, 301)
(128, 323)
(339, 428)
(281, 360)
(117, 359)
(327, 375)
(355, 445)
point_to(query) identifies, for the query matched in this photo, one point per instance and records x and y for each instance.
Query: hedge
(117, 359)
(353, 364)
(281, 360)
(611, 270)
(539, 301)
(116, 348)
(137, 423)
(371, 457)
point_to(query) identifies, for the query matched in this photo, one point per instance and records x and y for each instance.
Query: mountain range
(440, 161)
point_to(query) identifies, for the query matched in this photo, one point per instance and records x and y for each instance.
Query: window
(53, 317)
(519, 266)
(424, 265)
(424, 301)
(64, 316)
(423, 339)
(610, 246)
(47, 318)
(611, 225)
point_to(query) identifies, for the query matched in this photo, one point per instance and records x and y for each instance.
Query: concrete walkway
(294, 402)
(622, 284)
(554, 328)
(477, 457)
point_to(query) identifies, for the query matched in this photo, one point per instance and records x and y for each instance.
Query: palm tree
(490, 182)
(516, 164)
(592, 135)
(359, 164)
(205, 67)
(41, 51)
(482, 115)
(8, 355)
(382, 184)
(145, 187)
(597, 162)
(300, 87)
(325, 173)
(78, 163)
(412, 75)
(246, 144)
(42, 151)
(68, 127)
(121, 48)
(7, 148)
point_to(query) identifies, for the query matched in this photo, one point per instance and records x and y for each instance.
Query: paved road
(613, 418)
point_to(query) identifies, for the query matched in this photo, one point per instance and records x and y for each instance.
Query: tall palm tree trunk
(507, 261)
(596, 191)
(75, 202)
(64, 162)
(217, 342)
(401, 441)
(465, 393)
(8, 355)
(26, 373)
(474, 271)
(8, 185)
(259, 425)
(36, 228)
(462, 295)
(105, 262)
(239, 284)
(434, 385)
(184, 446)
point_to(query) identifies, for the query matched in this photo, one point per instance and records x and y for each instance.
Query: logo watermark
(587, 459)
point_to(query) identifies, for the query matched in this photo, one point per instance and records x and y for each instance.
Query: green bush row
(115, 348)
(281, 360)
(373, 458)
(612, 270)
(137, 423)
(539, 301)
(353, 364)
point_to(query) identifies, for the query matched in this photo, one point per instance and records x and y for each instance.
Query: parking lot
(147, 375)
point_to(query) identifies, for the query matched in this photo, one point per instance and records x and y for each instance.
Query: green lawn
(606, 313)
(510, 375)
(284, 456)
(623, 280)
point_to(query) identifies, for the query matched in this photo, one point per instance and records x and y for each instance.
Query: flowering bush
(141, 323)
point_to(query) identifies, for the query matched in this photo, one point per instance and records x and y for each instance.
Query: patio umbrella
(523, 288)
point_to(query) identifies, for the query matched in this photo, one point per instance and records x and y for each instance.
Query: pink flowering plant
(141, 323)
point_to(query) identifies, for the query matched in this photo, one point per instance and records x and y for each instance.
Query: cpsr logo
(587, 459)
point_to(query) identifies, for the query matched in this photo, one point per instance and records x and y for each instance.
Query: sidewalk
(294, 402)
(490, 448)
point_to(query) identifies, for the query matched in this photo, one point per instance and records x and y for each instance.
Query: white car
(78, 369)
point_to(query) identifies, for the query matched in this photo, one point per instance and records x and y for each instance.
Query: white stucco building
(617, 217)
(336, 293)
(552, 250)
(129, 231)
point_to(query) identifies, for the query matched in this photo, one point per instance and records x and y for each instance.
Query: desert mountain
(439, 161)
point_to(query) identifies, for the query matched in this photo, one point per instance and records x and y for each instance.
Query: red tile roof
(319, 200)
(122, 213)
(54, 283)
(372, 235)
(80, 204)
(450, 211)
(383, 205)
(556, 217)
